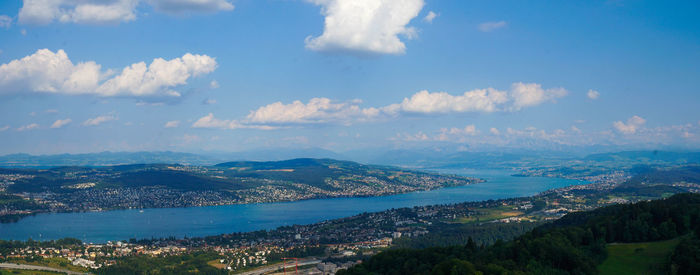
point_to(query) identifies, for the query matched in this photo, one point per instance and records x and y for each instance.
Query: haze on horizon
(237, 75)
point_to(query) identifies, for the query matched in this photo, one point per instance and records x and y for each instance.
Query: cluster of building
(10, 179)
(137, 197)
(593, 174)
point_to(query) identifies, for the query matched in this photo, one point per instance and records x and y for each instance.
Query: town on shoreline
(342, 242)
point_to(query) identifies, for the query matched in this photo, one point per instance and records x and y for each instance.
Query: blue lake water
(212, 220)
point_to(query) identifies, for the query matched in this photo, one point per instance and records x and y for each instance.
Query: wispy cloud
(5, 21)
(633, 124)
(99, 120)
(60, 123)
(592, 94)
(28, 127)
(430, 17)
(491, 26)
(42, 12)
(172, 124)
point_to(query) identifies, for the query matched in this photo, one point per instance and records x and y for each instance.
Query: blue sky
(343, 75)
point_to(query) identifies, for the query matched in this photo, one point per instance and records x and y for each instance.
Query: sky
(80, 76)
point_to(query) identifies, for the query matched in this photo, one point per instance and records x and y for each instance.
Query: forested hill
(325, 174)
(104, 159)
(317, 172)
(575, 244)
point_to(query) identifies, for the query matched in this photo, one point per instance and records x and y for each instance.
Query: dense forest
(455, 234)
(574, 244)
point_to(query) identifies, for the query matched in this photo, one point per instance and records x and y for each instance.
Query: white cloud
(531, 94)
(593, 94)
(430, 16)
(209, 101)
(2, 129)
(323, 110)
(142, 80)
(278, 114)
(43, 12)
(209, 121)
(494, 131)
(28, 127)
(481, 100)
(532, 137)
(49, 72)
(365, 26)
(77, 11)
(275, 115)
(190, 6)
(172, 124)
(633, 124)
(491, 26)
(317, 110)
(460, 133)
(420, 136)
(214, 84)
(5, 21)
(99, 120)
(60, 123)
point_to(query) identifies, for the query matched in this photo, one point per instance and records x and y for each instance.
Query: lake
(99, 227)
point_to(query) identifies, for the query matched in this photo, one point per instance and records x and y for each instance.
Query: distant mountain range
(147, 157)
(415, 158)
(104, 159)
(651, 156)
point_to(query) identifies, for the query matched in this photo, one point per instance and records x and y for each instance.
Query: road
(36, 267)
(276, 267)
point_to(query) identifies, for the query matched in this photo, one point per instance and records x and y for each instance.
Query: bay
(100, 227)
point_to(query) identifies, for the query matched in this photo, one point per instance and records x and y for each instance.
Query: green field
(490, 214)
(638, 258)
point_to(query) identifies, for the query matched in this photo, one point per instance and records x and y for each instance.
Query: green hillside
(575, 244)
(638, 258)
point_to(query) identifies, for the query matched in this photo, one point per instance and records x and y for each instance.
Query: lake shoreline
(18, 217)
(102, 226)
